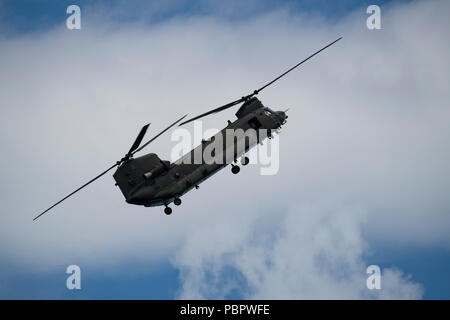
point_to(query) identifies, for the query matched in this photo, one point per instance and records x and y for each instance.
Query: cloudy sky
(364, 159)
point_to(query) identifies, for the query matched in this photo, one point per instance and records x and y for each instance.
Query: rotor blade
(228, 105)
(84, 185)
(245, 98)
(159, 134)
(138, 140)
(298, 64)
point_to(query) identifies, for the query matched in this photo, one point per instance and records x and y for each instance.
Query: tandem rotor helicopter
(150, 181)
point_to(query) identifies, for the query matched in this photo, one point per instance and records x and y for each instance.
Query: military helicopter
(149, 181)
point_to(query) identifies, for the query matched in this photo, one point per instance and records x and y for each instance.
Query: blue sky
(33, 16)
(161, 278)
(137, 280)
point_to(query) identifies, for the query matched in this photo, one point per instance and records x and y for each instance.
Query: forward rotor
(257, 91)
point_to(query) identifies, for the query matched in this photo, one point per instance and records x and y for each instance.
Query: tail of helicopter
(135, 171)
(126, 177)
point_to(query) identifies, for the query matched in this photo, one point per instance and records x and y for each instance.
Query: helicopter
(150, 181)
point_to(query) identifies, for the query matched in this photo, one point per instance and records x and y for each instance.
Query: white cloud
(367, 126)
(316, 253)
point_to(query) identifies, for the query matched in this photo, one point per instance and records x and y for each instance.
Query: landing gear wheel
(245, 161)
(168, 210)
(235, 169)
(177, 201)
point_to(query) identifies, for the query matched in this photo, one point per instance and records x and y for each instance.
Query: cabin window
(254, 123)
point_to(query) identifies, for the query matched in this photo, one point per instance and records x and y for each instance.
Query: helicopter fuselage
(150, 181)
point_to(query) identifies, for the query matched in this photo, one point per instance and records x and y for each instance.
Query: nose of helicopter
(282, 116)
